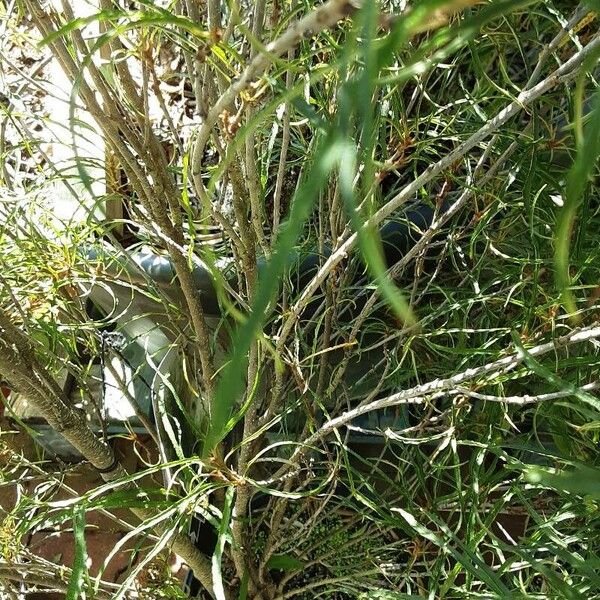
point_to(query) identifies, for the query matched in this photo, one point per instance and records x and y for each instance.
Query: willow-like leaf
(588, 150)
(76, 581)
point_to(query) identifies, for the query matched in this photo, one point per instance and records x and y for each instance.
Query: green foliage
(284, 562)
(483, 487)
(79, 567)
(577, 179)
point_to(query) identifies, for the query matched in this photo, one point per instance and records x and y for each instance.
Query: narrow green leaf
(389, 595)
(356, 108)
(584, 481)
(128, 20)
(79, 569)
(588, 150)
(450, 543)
(244, 586)
(554, 379)
(217, 557)
(284, 562)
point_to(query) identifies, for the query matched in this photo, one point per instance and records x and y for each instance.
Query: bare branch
(526, 399)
